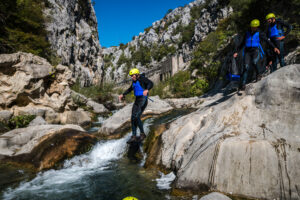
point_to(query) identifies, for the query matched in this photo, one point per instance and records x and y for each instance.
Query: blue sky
(120, 20)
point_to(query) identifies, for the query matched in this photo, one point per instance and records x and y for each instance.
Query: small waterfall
(74, 171)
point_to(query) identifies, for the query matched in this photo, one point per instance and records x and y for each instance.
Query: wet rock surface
(243, 145)
(44, 146)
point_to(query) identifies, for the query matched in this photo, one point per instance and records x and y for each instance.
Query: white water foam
(74, 169)
(57, 181)
(164, 182)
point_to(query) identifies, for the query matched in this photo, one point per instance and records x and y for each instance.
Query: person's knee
(134, 118)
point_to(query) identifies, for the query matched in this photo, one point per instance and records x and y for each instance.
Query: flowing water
(103, 173)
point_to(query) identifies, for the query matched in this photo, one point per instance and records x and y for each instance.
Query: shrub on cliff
(22, 28)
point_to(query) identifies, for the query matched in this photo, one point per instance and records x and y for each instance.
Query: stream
(104, 173)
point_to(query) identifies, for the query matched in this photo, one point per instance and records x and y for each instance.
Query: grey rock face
(82, 100)
(72, 28)
(23, 140)
(215, 196)
(244, 145)
(79, 117)
(5, 115)
(21, 75)
(38, 121)
(123, 116)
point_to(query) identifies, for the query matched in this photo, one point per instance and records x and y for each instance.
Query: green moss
(20, 121)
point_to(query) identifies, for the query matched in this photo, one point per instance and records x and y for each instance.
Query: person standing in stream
(141, 86)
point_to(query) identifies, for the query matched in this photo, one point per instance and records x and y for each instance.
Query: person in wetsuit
(275, 32)
(141, 86)
(251, 41)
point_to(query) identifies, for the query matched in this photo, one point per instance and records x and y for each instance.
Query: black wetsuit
(275, 58)
(251, 54)
(140, 102)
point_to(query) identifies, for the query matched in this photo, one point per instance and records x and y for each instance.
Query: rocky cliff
(176, 36)
(72, 32)
(246, 145)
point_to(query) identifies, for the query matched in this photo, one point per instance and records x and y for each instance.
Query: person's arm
(239, 46)
(148, 84)
(287, 26)
(128, 90)
(263, 37)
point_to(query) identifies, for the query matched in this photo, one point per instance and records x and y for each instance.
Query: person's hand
(281, 38)
(277, 51)
(145, 93)
(121, 97)
(235, 55)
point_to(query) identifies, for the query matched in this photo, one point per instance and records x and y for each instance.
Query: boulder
(21, 75)
(38, 121)
(244, 145)
(121, 119)
(215, 196)
(79, 117)
(30, 110)
(5, 115)
(96, 107)
(43, 146)
(81, 100)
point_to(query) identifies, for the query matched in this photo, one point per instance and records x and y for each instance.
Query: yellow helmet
(255, 23)
(130, 198)
(133, 71)
(270, 15)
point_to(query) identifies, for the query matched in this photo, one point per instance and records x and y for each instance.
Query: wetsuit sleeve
(148, 83)
(241, 44)
(263, 37)
(287, 26)
(128, 90)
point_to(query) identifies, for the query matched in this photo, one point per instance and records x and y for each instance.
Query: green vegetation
(206, 56)
(142, 55)
(180, 85)
(20, 121)
(147, 29)
(162, 51)
(22, 28)
(97, 93)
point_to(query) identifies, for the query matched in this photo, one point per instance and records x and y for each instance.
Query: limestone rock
(44, 145)
(80, 99)
(21, 75)
(81, 118)
(38, 121)
(72, 32)
(52, 117)
(215, 196)
(243, 145)
(5, 115)
(96, 107)
(121, 119)
(193, 102)
(31, 110)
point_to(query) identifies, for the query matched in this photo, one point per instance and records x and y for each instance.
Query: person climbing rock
(276, 33)
(141, 86)
(252, 43)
